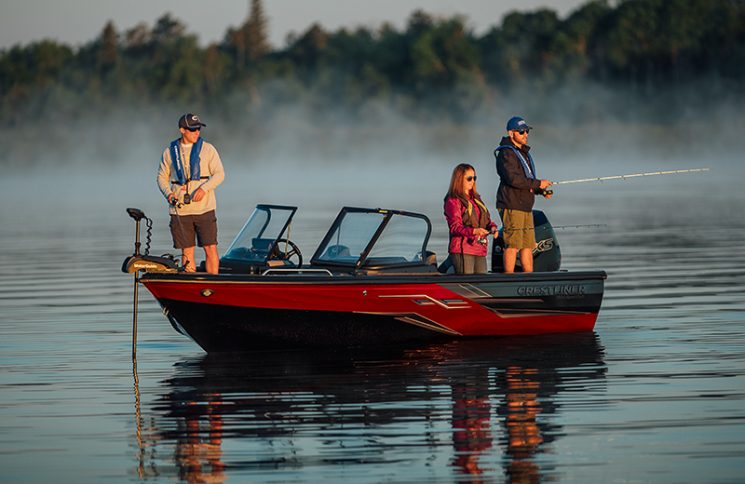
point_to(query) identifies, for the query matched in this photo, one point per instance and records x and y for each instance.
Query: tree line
(432, 65)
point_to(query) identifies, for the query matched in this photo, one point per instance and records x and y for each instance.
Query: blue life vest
(528, 165)
(178, 163)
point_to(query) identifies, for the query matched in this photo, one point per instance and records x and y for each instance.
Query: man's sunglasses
(471, 178)
(523, 131)
(193, 129)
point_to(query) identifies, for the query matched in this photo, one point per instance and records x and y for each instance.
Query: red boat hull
(229, 313)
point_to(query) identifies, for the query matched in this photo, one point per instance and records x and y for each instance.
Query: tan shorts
(519, 230)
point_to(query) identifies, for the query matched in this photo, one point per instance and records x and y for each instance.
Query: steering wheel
(277, 253)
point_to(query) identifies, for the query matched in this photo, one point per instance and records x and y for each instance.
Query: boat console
(360, 241)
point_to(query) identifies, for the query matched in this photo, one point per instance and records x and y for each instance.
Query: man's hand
(545, 184)
(198, 195)
(172, 199)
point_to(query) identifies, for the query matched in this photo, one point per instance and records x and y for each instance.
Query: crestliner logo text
(560, 290)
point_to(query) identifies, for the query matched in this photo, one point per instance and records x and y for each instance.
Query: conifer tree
(108, 51)
(255, 32)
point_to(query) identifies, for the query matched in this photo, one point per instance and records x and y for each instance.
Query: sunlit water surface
(655, 394)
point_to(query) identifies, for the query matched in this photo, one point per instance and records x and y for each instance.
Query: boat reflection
(474, 409)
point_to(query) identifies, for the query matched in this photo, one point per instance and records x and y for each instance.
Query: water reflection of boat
(486, 407)
(371, 281)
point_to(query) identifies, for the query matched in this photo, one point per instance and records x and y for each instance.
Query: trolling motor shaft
(142, 262)
(137, 215)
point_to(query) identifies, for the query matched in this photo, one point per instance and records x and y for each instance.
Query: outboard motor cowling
(546, 255)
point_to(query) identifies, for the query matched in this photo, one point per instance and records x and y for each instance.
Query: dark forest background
(635, 61)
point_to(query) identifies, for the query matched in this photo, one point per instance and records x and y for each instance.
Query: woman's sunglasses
(471, 178)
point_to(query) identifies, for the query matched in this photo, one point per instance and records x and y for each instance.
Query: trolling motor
(146, 262)
(546, 255)
(143, 262)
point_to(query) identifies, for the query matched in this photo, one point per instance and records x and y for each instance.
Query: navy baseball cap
(517, 123)
(190, 121)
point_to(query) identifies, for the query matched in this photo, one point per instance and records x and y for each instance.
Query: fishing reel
(174, 202)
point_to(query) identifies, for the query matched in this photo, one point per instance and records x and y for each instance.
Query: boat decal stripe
(433, 326)
(416, 320)
(450, 304)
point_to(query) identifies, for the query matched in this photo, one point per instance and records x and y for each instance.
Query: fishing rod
(577, 226)
(632, 175)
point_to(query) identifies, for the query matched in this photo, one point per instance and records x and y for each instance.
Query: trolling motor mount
(146, 262)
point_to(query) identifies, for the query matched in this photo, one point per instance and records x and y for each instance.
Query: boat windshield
(265, 226)
(366, 237)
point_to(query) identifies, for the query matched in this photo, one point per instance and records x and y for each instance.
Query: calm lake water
(655, 394)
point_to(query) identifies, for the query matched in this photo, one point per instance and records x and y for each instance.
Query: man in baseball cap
(190, 170)
(518, 184)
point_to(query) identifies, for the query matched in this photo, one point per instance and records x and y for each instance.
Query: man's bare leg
(187, 258)
(213, 260)
(526, 259)
(508, 258)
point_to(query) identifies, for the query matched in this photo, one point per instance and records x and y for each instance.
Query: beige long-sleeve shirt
(210, 166)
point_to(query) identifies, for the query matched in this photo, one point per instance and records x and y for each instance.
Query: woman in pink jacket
(469, 222)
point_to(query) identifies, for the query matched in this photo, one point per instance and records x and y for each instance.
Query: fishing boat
(371, 281)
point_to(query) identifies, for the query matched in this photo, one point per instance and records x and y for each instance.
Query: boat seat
(336, 252)
(447, 266)
(260, 245)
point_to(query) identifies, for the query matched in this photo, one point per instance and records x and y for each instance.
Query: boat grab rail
(296, 270)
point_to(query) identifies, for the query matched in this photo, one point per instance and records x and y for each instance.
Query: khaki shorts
(519, 230)
(185, 227)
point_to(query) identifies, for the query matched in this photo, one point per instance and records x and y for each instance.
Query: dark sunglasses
(471, 178)
(523, 131)
(193, 129)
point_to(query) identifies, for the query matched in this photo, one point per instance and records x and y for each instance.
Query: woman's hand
(479, 232)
